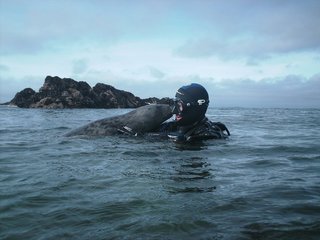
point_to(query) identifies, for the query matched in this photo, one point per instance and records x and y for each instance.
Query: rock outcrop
(67, 93)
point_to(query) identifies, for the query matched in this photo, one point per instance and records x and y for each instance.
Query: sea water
(261, 183)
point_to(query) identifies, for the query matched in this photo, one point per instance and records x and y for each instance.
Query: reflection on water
(191, 146)
(192, 174)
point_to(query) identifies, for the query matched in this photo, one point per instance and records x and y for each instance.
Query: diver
(191, 124)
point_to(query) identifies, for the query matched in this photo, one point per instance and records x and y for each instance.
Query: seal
(141, 120)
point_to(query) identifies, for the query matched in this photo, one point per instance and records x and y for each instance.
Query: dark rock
(64, 93)
(24, 98)
(68, 93)
(110, 97)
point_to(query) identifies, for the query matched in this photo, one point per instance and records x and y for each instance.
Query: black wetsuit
(202, 130)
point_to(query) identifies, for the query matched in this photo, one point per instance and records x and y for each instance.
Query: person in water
(191, 124)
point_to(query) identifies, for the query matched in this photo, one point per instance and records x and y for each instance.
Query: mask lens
(180, 106)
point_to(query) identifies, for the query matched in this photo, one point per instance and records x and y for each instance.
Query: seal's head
(191, 103)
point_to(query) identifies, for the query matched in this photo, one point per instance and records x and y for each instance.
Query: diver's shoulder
(217, 126)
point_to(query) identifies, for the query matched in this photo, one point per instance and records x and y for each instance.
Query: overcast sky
(247, 53)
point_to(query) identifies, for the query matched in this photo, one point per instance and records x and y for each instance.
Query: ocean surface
(261, 183)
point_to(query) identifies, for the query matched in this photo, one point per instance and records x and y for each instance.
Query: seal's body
(141, 120)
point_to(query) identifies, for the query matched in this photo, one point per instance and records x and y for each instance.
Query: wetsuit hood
(191, 103)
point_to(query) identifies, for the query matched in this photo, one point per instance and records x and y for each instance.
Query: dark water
(262, 183)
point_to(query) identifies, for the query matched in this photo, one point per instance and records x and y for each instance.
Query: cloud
(255, 30)
(238, 29)
(32, 26)
(80, 66)
(289, 91)
(156, 73)
(4, 68)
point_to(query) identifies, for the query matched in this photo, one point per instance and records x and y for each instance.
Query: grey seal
(141, 120)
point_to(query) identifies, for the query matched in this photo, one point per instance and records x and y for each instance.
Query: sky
(246, 53)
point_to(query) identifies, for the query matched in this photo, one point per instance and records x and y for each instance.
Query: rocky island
(59, 92)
